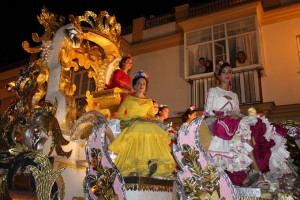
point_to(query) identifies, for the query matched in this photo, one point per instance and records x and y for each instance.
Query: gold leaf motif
(191, 160)
(102, 183)
(43, 175)
(204, 185)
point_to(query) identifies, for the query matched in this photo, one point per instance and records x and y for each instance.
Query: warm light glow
(298, 43)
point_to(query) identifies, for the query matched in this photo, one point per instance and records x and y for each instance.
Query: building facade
(265, 32)
(168, 48)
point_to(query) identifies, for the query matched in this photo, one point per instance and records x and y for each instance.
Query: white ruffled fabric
(232, 155)
(225, 156)
(279, 155)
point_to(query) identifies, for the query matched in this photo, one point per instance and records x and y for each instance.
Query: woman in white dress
(242, 142)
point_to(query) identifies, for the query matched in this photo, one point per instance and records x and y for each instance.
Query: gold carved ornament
(49, 21)
(20, 122)
(49, 122)
(93, 47)
(205, 183)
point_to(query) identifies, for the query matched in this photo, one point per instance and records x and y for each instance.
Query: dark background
(19, 19)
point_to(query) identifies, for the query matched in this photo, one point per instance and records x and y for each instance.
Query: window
(83, 83)
(222, 42)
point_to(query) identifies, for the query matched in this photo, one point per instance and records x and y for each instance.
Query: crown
(103, 24)
(141, 73)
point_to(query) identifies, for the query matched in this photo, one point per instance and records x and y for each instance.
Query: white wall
(282, 83)
(166, 83)
(159, 31)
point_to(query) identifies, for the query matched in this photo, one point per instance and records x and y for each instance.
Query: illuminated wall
(166, 85)
(282, 82)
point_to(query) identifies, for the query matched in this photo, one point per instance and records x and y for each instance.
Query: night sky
(19, 19)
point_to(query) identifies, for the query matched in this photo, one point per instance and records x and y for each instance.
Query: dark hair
(137, 78)
(237, 56)
(201, 59)
(123, 60)
(188, 112)
(210, 62)
(161, 108)
(242, 52)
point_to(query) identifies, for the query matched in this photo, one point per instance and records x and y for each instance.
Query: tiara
(163, 105)
(141, 73)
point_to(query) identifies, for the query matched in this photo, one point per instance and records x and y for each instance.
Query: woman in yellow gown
(142, 147)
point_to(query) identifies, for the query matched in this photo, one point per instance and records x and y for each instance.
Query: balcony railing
(126, 29)
(246, 84)
(194, 10)
(159, 20)
(212, 6)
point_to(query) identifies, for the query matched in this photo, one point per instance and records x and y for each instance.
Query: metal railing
(246, 84)
(126, 29)
(212, 6)
(194, 10)
(159, 20)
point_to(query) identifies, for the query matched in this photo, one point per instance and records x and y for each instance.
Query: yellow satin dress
(141, 141)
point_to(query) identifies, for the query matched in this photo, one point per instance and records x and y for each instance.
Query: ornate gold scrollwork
(93, 48)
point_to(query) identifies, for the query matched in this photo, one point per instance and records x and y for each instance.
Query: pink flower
(192, 107)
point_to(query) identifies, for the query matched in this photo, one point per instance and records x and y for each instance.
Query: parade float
(47, 153)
